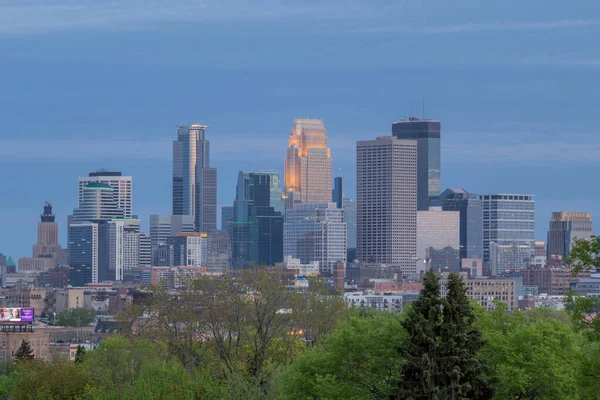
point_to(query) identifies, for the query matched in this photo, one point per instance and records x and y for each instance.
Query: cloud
(489, 26)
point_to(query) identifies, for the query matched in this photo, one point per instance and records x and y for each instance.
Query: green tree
(76, 317)
(463, 371)
(584, 254)
(25, 352)
(421, 377)
(531, 359)
(38, 379)
(80, 354)
(357, 361)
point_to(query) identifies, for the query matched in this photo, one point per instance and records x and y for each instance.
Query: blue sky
(102, 84)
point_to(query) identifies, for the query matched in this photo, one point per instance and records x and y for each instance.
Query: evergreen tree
(421, 374)
(80, 354)
(462, 370)
(24, 352)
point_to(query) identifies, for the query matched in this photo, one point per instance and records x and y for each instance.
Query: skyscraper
(163, 226)
(427, 134)
(83, 253)
(507, 219)
(438, 239)
(349, 207)
(564, 227)
(189, 248)
(46, 252)
(227, 220)
(315, 232)
(386, 177)
(123, 246)
(258, 226)
(122, 188)
(339, 191)
(97, 203)
(471, 220)
(308, 164)
(194, 182)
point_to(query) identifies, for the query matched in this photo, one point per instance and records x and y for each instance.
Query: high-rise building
(315, 232)
(122, 189)
(427, 134)
(189, 248)
(508, 257)
(339, 191)
(83, 253)
(163, 255)
(308, 164)
(470, 207)
(257, 226)
(145, 250)
(564, 227)
(507, 219)
(123, 246)
(164, 226)
(219, 251)
(97, 203)
(386, 177)
(46, 252)
(194, 182)
(227, 220)
(438, 240)
(349, 207)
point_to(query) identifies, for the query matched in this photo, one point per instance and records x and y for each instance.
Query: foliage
(583, 312)
(357, 361)
(24, 352)
(38, 379)
(532, 359)
(80, 354)
(76, 317)
(463, 372)
(584, 254)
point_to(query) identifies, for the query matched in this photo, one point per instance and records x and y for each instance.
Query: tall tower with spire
(46, 251)
(308, 176)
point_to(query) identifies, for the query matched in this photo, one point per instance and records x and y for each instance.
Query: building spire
(47, 216)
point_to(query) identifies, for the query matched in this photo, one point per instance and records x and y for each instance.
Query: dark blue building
(471, 220)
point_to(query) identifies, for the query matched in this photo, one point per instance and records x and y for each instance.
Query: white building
(309, 269)
(120, 184)
(315, 232)
(123, 246)
(163, 226)
(386, 203)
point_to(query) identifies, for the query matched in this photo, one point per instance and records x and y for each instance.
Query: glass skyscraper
(194, 182)
(427, 134)
(308, 164)
(471, 220)
(315, 232)
(507, 219)
(122, 186)
(339, 191)
(257, 221)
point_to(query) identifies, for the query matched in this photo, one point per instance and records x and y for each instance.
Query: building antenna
(410, 114)
(423, 108)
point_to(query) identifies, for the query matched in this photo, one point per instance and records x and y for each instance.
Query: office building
(122, 188)
(194, 181)
(227, 218)
(308, 175)
(123, 246)
(507, 219)
(471, 220)
(427, 134)
(386, 174)
(315, 232)
(46, 252)
(219, 251)
(552, 281)
(189, 248)
(164, 226)
(508, 257)
(339, 191)
(145, 257)
(487, 292)
(258, 226)
(97, 203)
(438, 240)
(564, 227)
(83, 253)
(163, 255)
(349, 207)
(539, 254)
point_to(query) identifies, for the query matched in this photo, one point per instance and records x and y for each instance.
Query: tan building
(11, 341)
(46, 251)
(24, 296)
(308, 176)
(487, 291)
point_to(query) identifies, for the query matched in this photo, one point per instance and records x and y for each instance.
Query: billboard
(16, 315)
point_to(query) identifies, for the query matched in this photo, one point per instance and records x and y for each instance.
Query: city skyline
(117, 91)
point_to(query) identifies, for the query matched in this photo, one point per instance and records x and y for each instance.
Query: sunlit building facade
(308, 176)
